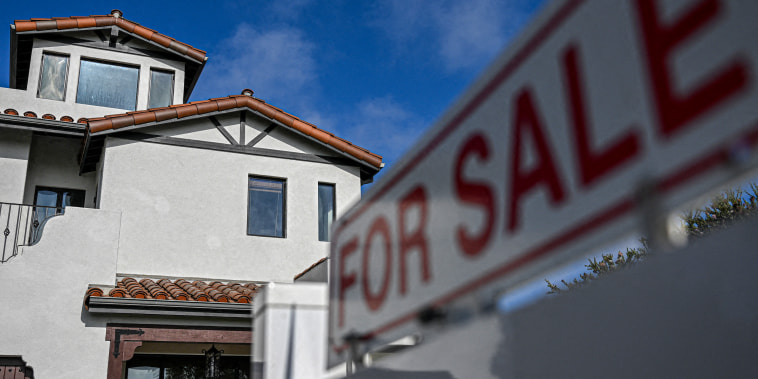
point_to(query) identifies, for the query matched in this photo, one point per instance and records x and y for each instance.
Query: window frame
(59, 191)
(284, 205)
(150, 85)
(334, 210)
(111, 63)
(42, 70)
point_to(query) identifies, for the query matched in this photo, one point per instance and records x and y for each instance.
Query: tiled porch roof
(113, 19)
(46, 116)
(246, 100)
(178, 289)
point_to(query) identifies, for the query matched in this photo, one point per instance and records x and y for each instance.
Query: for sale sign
(543, 157)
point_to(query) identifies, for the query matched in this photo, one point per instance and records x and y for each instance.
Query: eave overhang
(54, 127)
(167, 308)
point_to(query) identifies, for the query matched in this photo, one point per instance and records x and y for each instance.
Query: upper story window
(161, 89)
(325, 210)
(52, 79)
(107, 85)
(266, 207)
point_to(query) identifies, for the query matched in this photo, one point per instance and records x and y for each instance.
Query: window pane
(161, 89)
(143, 372)
(325, 210)
(265, 215)
(107, 85)
(52, 81)
(73, 198)
(46, 198)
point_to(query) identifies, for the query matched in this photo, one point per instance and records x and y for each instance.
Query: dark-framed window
(266, 206)
(326, 208)
(154, 366)
(161, 89)
(107, 85)
(52, 77)
(58, 197)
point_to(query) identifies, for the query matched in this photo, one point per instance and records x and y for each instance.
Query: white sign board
(542, 158)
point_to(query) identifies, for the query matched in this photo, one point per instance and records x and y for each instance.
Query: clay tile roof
(179, 290)
(113, 122)
(46, 116)
(81, 22)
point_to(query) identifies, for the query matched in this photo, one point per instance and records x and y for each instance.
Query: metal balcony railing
(21, 225)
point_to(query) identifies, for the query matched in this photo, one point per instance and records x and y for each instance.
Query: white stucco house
(136, 227)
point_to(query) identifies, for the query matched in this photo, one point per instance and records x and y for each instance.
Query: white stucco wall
(14, 157)
(290, 333)
(42, 290)
(23, 101)
(185, 211)
(53, 162)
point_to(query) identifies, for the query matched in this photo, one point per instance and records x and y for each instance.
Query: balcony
(22, 225)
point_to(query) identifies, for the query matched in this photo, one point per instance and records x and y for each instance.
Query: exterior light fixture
(212, 362)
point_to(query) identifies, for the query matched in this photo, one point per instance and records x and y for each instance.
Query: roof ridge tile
(73, 22)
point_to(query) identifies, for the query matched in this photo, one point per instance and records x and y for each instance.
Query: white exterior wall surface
(185, 211)
(14, 159)
(290, 331)
(22, 101)
(42, 291)
(53, 163)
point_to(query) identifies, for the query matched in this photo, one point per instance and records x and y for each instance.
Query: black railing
(22, 225)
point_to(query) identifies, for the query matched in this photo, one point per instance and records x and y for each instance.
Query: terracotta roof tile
(322, 260)
(112, 122)
(179, 290)
(79, 22)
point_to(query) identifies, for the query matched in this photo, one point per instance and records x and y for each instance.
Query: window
(58, 197)
(184, 366)
(161, 89)
(266, 207)
(107, 85)
(325, 210)
(49, 202)
(52, 78)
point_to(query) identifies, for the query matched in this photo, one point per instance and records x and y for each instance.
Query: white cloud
(461, 34)
(385, 125)
(275, 63)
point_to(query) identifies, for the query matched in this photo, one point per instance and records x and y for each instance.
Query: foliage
(724, 209)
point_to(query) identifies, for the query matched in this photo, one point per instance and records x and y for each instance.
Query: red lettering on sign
(416, 198)
(592, 164)
(378, 227)
(475, 193)
(676, 110)
(526, 120)
(345, 280)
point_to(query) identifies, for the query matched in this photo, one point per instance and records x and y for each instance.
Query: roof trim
(322, 260)
(131, 27)
(42, 125)
(111, 124)
(155, 307)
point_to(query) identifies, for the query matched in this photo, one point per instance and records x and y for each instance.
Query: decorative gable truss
(237, 124)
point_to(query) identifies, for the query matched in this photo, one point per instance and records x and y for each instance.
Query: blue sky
(377, 73)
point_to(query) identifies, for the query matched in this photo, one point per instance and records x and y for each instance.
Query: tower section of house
(147, 223)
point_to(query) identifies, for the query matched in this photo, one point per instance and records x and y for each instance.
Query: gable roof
(195, 56)
(98, 127)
